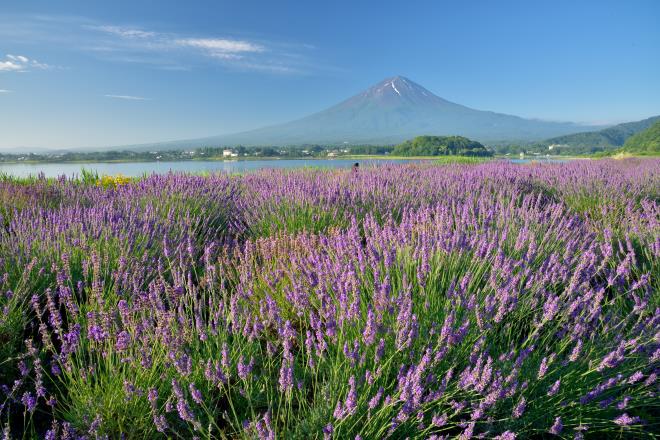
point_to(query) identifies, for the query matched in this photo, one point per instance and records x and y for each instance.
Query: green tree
(441, 146)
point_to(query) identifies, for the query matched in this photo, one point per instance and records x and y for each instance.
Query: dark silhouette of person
(356, 166)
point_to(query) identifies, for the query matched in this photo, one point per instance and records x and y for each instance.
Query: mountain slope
(645, 142)
(608, 138)
(389, 112)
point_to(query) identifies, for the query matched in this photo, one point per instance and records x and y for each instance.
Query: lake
(133, 169)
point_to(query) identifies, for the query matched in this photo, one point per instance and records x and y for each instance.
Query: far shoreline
(302, 158)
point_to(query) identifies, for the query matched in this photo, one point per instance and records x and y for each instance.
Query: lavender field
(415, 301)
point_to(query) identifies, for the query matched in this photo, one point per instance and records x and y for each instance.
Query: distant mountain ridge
(389, 112)
(608, 138)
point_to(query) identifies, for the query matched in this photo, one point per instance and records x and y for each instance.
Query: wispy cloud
(20, 63)
(122, 31)
(220, 45)
(121, 43)
(5, 91)
(272, 67)
(128, 97)
(175, 51)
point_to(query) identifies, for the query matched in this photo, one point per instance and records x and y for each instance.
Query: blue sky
(84, 73)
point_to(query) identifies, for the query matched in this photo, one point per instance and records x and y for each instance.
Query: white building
(229, 153)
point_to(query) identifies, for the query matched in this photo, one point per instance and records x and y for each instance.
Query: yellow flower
(107, 181)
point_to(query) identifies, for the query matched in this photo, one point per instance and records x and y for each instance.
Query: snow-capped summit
(397, 90)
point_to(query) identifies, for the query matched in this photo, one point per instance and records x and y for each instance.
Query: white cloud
(128, 97)
(18, 58)
(10, 66)
(221, 45)
(226, 56)
(5, 91)
(246, 55)
(268, 67)
(169, 50)
(20, 63)
(123, 32)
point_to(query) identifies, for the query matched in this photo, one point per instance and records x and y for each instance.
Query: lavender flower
(196, 394)
(554, 388)
(327, 432)
(351, 399)
(439, 420)
(624, 403)
(626, 420)
(29, 401)
(375, 400)
(244, 369)
(286, 376)
(369, 333)
(519, 409)
(543, 368)
(635, 377)
(152, 397)
(556, 427)
(161, 423)
(123, 341)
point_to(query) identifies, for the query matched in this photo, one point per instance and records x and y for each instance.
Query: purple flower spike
(556, 427)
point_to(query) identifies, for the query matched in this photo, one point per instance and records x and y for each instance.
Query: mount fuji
(389, 112)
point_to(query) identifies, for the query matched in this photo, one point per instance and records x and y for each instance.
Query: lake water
(133, 169)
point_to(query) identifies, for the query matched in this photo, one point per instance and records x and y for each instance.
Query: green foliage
(599, 143)
(441, 146)
(89, 177)
(602, 140)
(204, 153)
(645, 142)
(463, 160)
(371, 149)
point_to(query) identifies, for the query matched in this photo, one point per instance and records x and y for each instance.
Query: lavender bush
(418, 301)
